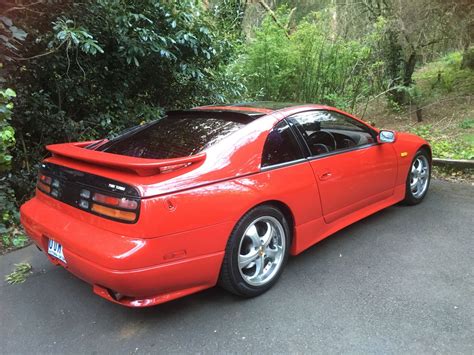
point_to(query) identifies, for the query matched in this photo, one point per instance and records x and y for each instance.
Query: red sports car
(215, 194)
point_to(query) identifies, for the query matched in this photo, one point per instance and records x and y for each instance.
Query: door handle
(325, 176)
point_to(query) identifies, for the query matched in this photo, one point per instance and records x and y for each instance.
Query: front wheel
(256, 252)
(418, 179)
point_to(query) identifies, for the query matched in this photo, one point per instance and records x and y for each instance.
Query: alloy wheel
(261, 251)
(419, 176)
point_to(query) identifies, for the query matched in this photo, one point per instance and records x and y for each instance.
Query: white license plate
(55, 249)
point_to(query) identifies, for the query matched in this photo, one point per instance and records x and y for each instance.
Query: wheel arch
(428, 150)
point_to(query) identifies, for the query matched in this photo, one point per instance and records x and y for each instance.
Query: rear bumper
(145, 272)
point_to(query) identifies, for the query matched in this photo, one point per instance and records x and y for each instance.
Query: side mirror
(386, 137)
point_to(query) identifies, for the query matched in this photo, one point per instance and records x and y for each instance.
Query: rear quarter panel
(226, 202)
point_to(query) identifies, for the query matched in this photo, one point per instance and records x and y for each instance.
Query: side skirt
(310, 233)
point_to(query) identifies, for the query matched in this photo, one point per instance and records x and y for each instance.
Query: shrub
(9, 234)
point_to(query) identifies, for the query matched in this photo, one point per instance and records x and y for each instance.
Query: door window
(281, 146)
(328, 131)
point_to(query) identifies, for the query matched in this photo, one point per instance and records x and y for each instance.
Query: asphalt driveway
(399, 281)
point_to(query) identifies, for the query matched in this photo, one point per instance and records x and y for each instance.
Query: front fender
(406, 146)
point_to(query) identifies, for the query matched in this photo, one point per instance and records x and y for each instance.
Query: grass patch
(468, 138)
(444, 146)
(467, 123)
(444, 76)
(19, 275)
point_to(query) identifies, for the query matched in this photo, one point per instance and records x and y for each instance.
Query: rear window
(172, 137)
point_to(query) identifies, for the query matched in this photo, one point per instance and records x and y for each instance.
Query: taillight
(43, 187)
(115, 201)
(45, 179)
(48, 185)
(44, 183)
(90, 193)
(121, 208)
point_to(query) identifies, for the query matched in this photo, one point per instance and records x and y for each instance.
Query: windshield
(172, 137)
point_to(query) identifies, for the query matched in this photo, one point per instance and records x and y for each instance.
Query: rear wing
(140, 166)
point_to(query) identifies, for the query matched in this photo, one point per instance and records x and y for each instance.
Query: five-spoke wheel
(418, 179)
(256, 252)
(419, 175)
(261, 250)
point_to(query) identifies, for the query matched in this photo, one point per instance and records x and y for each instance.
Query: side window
(328, 131)
(280, 146)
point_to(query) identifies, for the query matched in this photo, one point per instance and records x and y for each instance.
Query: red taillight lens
(45, 179)
(112, 206)
(115, 201)
(44, 183)
(107, 200)
(128, 204)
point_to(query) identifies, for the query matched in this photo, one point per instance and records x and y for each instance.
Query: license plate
(55, 249)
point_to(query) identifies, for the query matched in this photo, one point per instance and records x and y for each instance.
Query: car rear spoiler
(140, 166)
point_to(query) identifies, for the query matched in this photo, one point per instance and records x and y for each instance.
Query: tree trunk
(409, 69)
(419, 114)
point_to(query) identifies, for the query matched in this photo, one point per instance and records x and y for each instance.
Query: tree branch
(27, 8)
(41, 54)
(433, 41)
(274, 17)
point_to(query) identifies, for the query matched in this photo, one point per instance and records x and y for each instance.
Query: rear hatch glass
(175, 136)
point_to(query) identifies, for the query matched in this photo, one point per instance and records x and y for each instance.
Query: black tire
(412, 198)
(230, 277)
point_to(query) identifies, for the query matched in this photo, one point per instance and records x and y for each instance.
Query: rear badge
(117, 187)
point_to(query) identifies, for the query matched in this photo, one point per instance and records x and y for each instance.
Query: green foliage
(19, 275)
(443, 146)
(468, 123)
(311, 64)
(8, 212)
(75, 37)
(14, 238)
(7, 133)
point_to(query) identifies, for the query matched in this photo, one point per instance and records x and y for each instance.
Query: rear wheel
(418, 179)
(256, 252)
